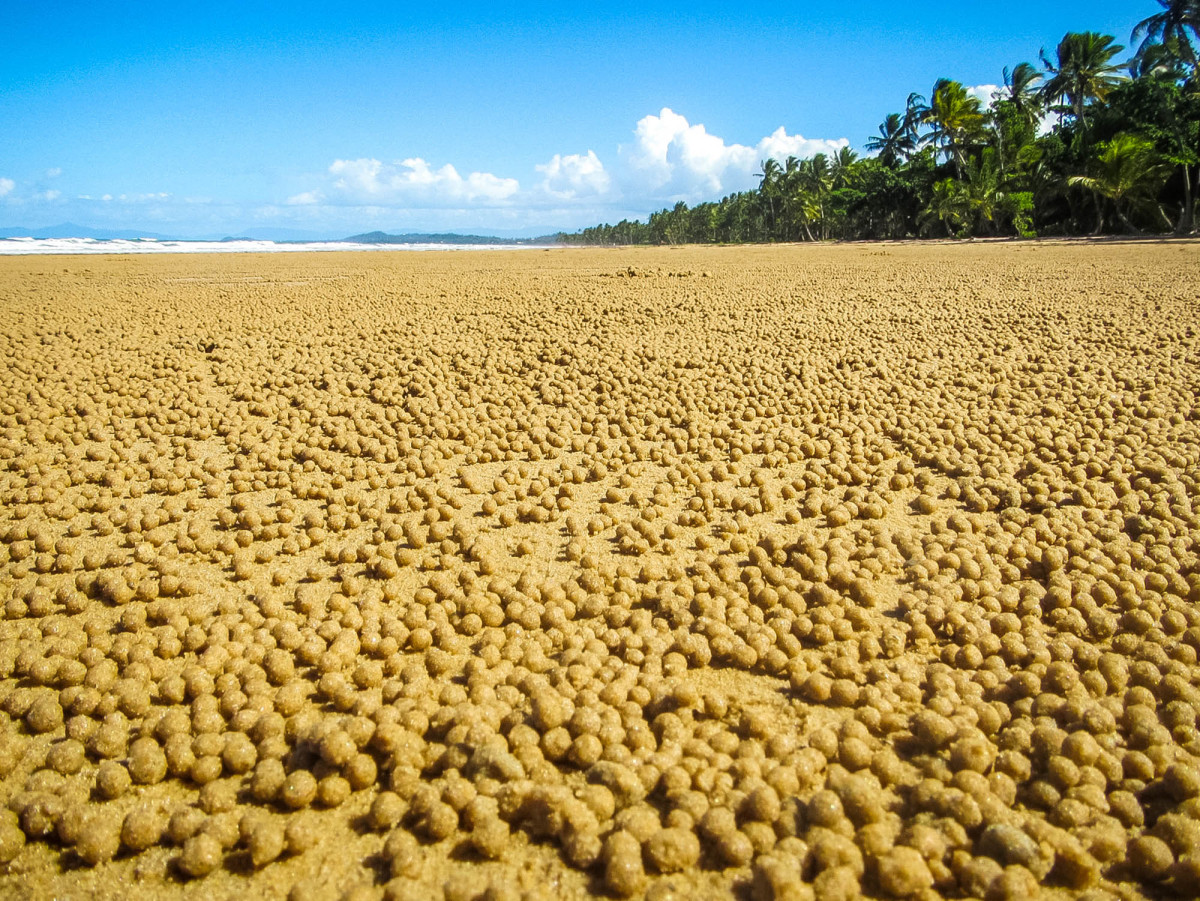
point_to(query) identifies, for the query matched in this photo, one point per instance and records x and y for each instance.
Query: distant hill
(414, 238)
(71, 230)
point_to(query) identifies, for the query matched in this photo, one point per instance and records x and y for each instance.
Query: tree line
(1080, 144)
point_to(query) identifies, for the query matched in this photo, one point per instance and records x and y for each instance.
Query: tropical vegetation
(1081, 144)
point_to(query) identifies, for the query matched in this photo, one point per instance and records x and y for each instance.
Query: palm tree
(816, 174)
(808, 212)
(768, 188)
(791, 199)
(915, 109)
(1020, 90)
(1082, 70)
(1167, 49)
(1178, 17)
(839, 165)
(894, 142)
(814, 180)
(957, 120)
(1129, 172)
(1160, 60)
(948, 205)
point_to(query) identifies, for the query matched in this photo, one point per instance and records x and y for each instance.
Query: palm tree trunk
(1133, 229)
(1099, 217)
(1187, 218)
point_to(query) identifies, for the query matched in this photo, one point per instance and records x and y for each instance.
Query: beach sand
(692, 573)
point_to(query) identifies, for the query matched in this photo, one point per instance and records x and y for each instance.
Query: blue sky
(218, 118)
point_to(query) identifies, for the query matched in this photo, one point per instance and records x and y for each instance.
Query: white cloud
(415, 181)
(779, 145)
(668, 159)
(984, 93)
(140, 198)
(674, 158)
(305, 199)
(573, 175)
(53, 173)
(672, 154)
(49, 195)
(6, 186)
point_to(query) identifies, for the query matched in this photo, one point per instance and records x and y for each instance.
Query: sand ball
(238, 754)
(184, 823)
(623, 872)
(301, 833)
(1185, 875)
(1150, 858)
(44, 714)
(776, 877)
(333, 790)
(38, 811)
(490, 837)
(266, 841)
(147, 762)
(440, 822)
(1182, 781)
(386, 811)
(268, 780)
(975, 874)
(932, 730)
(903, 872)
(673, 850)
(112, 780)
(837, 884)
(299, 789)
(1014, 884)
(67, 757)
(218, 797)
(99, 839)
(201, 854)
(12, 839)
(403, 854)
(361, 772)
(824, 809)
(143, 827)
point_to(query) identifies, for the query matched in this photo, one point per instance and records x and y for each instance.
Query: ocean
(10, 246)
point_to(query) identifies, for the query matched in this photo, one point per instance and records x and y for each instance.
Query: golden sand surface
(767, 573)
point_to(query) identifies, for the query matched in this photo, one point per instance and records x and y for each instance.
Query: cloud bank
(575, 175)
(414, 182)
(672, 159)
(669, 159)
(666, 158)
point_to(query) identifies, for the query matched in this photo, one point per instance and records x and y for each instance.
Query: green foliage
(956, 120)
(1122, 152)
(1129, 172)
(1174, 27)
(1081, 71)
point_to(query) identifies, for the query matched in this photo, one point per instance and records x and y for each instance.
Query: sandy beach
(768, 573)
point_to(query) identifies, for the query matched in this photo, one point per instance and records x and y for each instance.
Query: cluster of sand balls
(785, 573)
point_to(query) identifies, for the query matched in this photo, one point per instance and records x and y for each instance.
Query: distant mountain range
(280, 235)
(71, 230)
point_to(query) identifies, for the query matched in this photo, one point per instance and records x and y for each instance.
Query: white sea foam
(147, 245)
